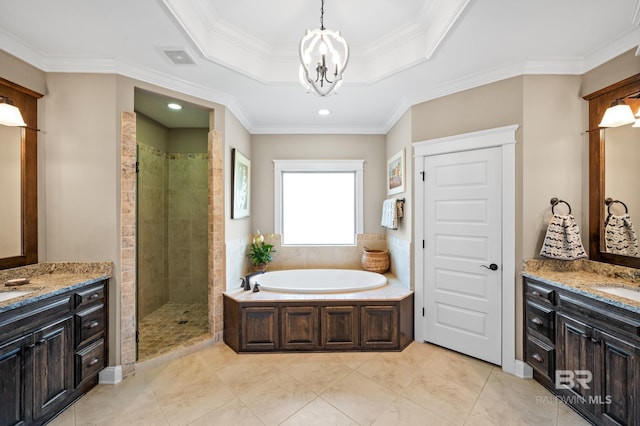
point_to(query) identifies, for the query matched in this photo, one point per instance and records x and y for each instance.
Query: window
(318, 202)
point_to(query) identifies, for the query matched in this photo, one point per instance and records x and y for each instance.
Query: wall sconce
(618, 114)
(10, 114)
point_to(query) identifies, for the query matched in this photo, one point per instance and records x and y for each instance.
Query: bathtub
(319, 280)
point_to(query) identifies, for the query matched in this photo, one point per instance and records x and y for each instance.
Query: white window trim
(280, 166)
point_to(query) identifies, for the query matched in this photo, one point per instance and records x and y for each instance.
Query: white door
(463, 253)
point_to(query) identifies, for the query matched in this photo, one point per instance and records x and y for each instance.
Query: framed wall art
(395, 173)
(240, 196)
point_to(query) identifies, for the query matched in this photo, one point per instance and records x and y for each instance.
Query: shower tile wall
(188, 227)
(153, 284)
(172, 228)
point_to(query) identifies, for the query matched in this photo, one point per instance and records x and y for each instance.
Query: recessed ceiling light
(324, 111)
(175, 106)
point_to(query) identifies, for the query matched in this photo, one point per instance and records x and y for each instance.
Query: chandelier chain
(322, 16)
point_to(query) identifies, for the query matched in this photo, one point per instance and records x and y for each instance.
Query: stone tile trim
(127, 276)
(217, 250)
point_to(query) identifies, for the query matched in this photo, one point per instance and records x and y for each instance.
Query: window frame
(319, 166)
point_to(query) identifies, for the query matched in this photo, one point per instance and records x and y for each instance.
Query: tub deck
(370, 320)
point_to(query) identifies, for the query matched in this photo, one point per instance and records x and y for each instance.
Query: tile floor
(423, 385)
(172, 326)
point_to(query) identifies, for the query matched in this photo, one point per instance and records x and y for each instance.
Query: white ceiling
(245, 51)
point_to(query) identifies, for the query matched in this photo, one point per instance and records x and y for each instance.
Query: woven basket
(375, 260)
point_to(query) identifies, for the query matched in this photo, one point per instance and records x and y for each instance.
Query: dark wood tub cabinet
(318, 325)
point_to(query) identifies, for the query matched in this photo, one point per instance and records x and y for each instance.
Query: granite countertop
(50, 279)
(393, 290)
(583, 276)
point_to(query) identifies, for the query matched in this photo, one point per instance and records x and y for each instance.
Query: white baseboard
(110, 375)
(523, 370)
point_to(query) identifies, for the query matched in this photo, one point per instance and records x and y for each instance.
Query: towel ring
(555, 201)
(610, 201)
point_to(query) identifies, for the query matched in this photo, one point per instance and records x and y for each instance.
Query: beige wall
(266, 148)
(236, 137)
(619, 68)
(399, 137)
(555, 150)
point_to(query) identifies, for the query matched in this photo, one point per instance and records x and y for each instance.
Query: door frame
(504, 137)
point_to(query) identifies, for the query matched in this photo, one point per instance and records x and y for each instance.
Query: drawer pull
(93, 324)
(93, 296)
(93, 362)
(536, 321)
(537, 357)
(535, 293)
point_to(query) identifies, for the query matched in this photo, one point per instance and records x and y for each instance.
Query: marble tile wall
(400, 256)
(153, 283)
(187, 225)
(172, 228)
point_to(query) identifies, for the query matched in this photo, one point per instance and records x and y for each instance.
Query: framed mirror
(19, 189)
(613, 190)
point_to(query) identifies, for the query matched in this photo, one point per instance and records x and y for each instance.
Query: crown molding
(222, 43)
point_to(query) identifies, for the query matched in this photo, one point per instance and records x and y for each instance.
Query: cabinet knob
(93, 362)
(536, 321)
(94, 296)
(93, 324)
(595, 341)
(537, 357)
(535, 293)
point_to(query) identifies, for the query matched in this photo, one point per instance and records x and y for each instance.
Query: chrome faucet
(246, 285)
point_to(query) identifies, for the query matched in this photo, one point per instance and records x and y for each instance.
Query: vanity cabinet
(586, 351)
(263, 326)
(40, 373)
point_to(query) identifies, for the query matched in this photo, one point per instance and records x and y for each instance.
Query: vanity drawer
(541, 357)
(89, 361)
(539, 293)
(541, 321)
(89, 296)
(89, 324)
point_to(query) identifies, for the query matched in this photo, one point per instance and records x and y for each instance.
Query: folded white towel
(620, 237)
(562, 240)
(390, 214)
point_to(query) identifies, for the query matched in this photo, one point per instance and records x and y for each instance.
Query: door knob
(493, 267)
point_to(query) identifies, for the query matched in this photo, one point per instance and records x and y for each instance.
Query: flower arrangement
(260, 251)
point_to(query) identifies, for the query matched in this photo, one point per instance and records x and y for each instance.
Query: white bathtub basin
(621, 292)
(319, 280)
(8, 295)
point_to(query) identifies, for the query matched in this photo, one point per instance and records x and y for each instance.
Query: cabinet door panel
(575, 362)
(260, 328)
(620, 367)
(379, 325)
(53, 359)
(14, 392)
(340, 327)
(300, 328)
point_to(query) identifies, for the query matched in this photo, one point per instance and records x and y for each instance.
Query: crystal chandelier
(324, 55)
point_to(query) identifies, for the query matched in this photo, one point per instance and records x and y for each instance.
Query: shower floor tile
(172, 326)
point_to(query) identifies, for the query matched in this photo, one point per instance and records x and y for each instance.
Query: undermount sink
(7, 295)
(621, 291)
